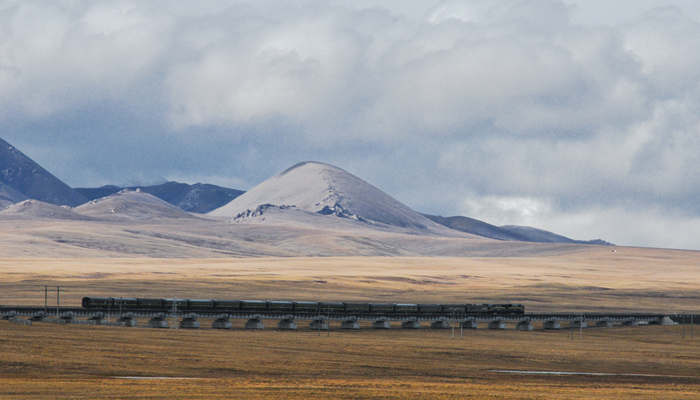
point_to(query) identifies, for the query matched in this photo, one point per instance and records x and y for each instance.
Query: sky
(580, 117)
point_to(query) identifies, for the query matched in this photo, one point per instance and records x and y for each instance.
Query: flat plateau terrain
(593, 278)
(88, 362)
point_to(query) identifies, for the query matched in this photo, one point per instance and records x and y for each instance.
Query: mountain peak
(309, 164)
(325, 189)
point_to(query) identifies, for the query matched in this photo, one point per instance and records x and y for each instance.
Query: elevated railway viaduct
(157, 318)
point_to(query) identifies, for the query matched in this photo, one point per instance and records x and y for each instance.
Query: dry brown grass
(592, 279)
(81, 362)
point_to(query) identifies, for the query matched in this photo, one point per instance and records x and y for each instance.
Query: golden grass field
(595, 278)
(84, 362)
(87, 362)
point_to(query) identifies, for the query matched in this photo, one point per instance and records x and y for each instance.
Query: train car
(357, 307)
(497, 309)
(324, 307)
(203, 305)
(515, 309)
(406, 308)
(253, 305)
(97, 302)
(227, 305)
(305, 306)
(200, 305)
(175, 304)
(381, 308)
(278, 305)
(476, 308)
(454, 309)
(126, 303)
(151, 304)
(429, 308)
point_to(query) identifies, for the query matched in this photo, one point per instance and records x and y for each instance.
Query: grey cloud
(509, 109)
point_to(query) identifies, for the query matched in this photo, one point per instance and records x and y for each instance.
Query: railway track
(563, 316)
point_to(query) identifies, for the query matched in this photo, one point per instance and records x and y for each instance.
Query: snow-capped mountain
(324, 189)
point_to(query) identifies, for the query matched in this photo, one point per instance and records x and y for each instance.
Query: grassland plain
(595, 278)
(86, 362)
(89, 362)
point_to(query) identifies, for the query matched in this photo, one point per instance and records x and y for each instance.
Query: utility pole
(58, 299)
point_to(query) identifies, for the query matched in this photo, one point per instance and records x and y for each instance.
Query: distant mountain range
(197, 198)
(507, 232)
(308, 193)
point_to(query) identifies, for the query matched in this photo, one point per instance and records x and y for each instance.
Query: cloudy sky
(581, 117)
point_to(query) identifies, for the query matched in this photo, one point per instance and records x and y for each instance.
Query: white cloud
(529, 102)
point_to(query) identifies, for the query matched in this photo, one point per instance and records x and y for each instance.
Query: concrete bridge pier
(254, 322)
(287, 323)
(469, 323)
(524, 325)
(9, 315)
(551, 324)
(98, 318)
(319, 324)
(66, 318)
(350, 323)
(440, 324)
(381, 324)
(38, 316)
(497, 323)
(158, 321)
(222, 321)
(189, 321)
(604, 323)
(410, 324)
(578, 323)
(664, 321)
(127, 319)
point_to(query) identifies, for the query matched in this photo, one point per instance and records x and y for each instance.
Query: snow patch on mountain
(36, 209)
(131, 205)
(327, 190)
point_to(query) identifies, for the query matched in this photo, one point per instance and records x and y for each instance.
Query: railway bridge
(157, 318)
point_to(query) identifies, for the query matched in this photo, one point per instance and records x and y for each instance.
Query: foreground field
(87, 362)
(594, 278)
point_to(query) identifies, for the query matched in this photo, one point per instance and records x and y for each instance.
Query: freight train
(280, 306)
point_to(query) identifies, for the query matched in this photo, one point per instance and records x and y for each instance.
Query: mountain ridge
(198, 197)
(508, 232)
(25, 176)
(328, 190)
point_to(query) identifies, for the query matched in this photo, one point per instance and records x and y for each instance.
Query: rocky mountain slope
(324, 189)
(198, 198)
(506, 232)
(9, 196)
(35, 209)
(131, 205)
(28, 178)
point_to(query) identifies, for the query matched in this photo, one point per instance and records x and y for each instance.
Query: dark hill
(28, 178)
(507, 232)
(198, 198)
